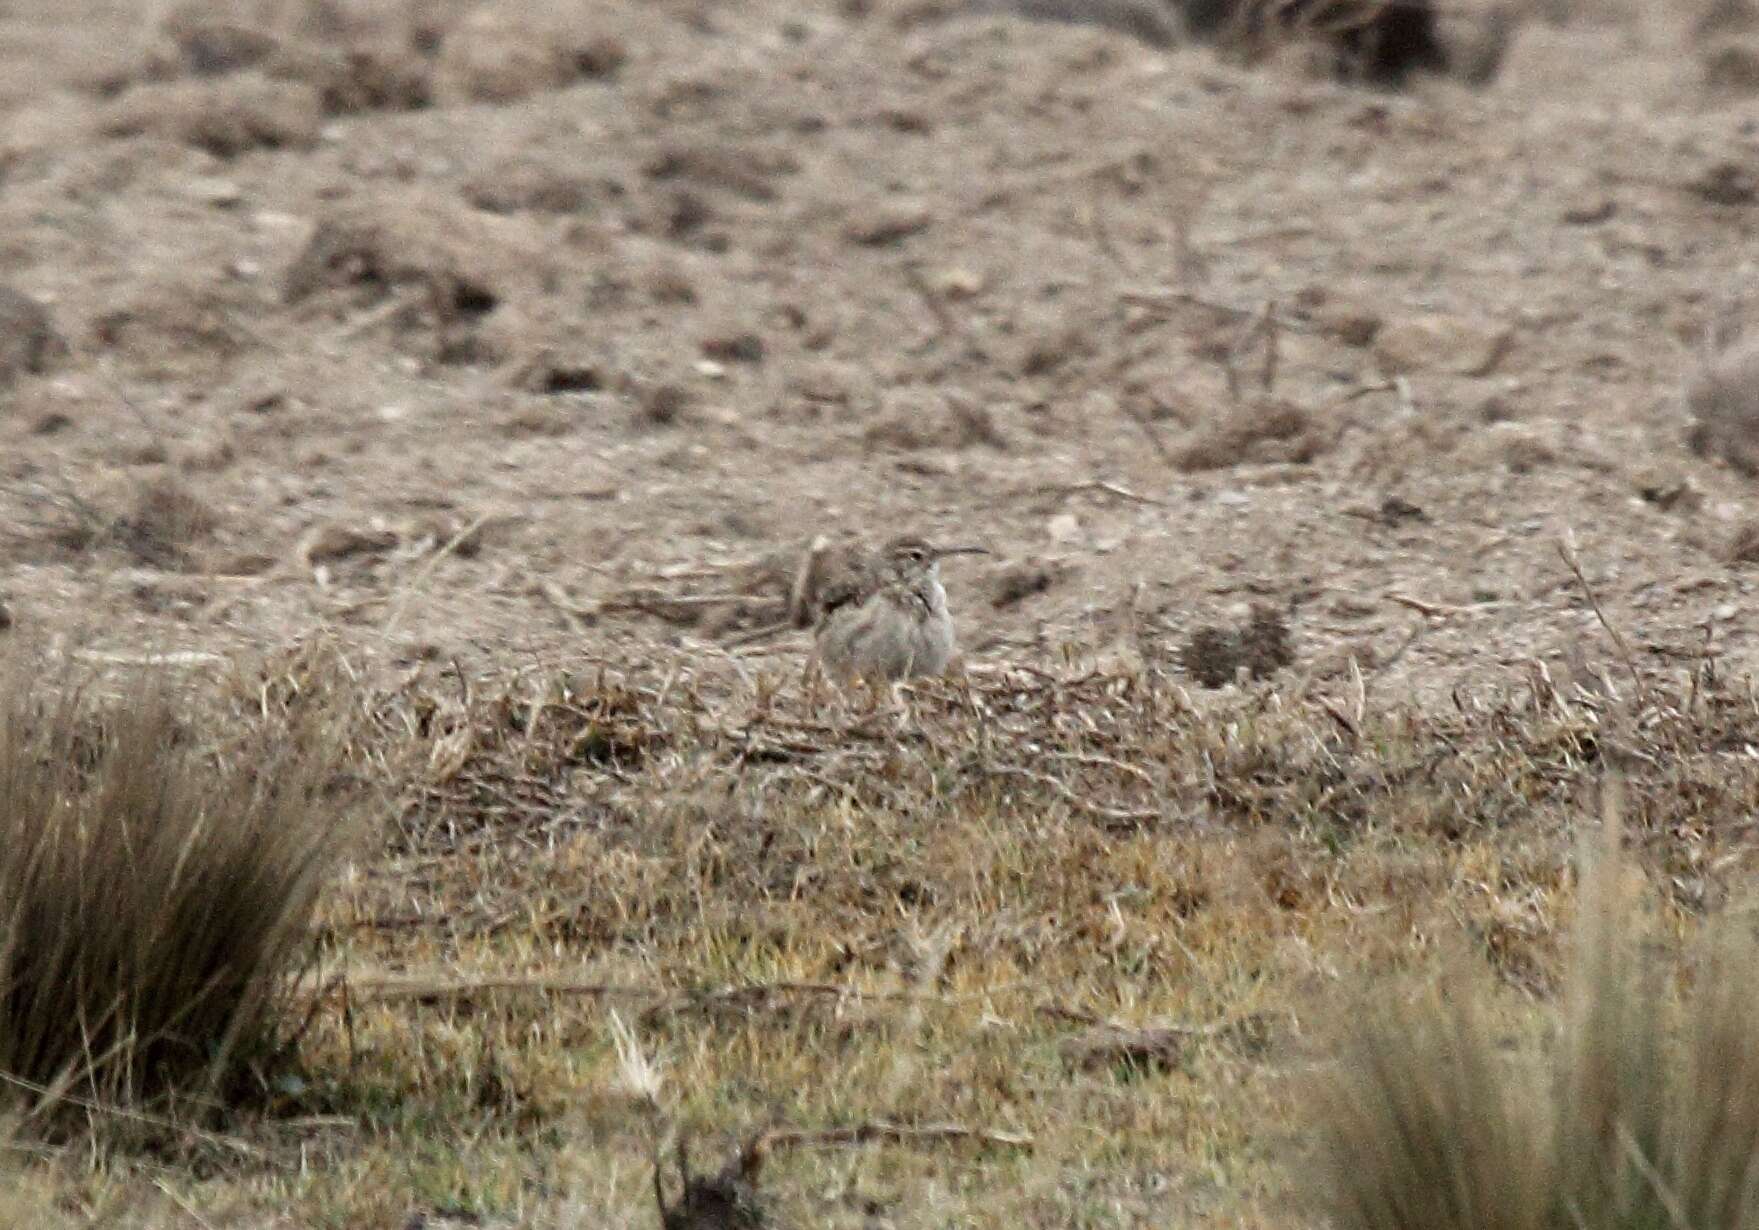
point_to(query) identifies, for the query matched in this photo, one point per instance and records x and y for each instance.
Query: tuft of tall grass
(1645, 1114)
(157, 884)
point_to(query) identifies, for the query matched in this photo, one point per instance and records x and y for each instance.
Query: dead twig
(1098, 487)
(579, 617)
(1566, 547)
(879, 1130)
(1148, 431)
(54, 1097)
(1429, 610)
(1163, 297)
(947, 324)
(1102, 236)
(394, 988)
(417, 582)
(1128, 816)
(1262, 325)
(392, 307)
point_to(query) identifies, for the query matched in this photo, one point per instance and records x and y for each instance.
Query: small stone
(1349, 321)
(742, 347)
(211, 190)
(332, 541)
(1670, 491)
(956, 283)
(1590, 211)
(1065, 529)
(886, 222)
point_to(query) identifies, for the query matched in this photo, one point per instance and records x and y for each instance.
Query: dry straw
(157, 879)
(1645, 1113)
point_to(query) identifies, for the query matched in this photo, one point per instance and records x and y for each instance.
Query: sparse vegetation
(157, 885)
(1644, 1113)
(155, 518)
(519, 352)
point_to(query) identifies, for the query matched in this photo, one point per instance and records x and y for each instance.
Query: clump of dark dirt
(440, 266)
(536, 185)
(355, 80)
(197, 43)
(1254, 432)
(881, 223)
(916, 418)
(550, 370)
(727, 1199)
(664, 403)
(351, 74)
(170, 326)
(1384, 44)
(1052, 348)
(159, 521)
(1215, 656)
(226, 117)
(1349, 319)
(1730, 67)
(747, 171)
(1725, 183)
(973, 424)
(734, 345)
(1743, 546)
(1013, 583)
(29, 342)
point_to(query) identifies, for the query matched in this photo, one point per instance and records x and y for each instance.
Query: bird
(880, 616)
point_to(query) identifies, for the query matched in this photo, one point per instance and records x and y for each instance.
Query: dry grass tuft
(1255, 433)
(156, 888)
(1653, 1118)
(1259, 647)
(156, 521)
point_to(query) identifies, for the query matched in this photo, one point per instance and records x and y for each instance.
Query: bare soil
(759, 272)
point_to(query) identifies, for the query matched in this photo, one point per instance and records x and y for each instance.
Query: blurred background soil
(524, 332)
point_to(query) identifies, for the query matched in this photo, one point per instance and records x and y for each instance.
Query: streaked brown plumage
(880, 616)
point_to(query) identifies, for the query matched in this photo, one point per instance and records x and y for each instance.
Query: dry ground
(485, 371)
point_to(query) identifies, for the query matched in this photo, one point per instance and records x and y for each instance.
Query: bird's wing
(830, 578)
(838, 592)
